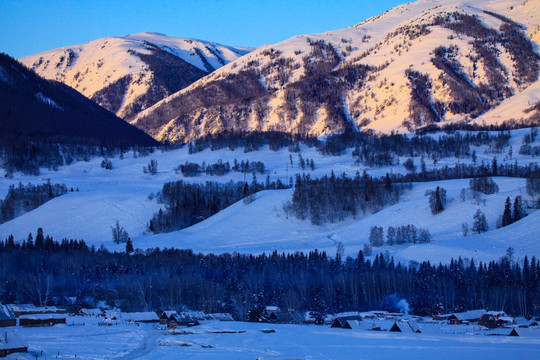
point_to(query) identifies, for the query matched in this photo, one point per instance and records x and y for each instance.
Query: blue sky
(32, 26)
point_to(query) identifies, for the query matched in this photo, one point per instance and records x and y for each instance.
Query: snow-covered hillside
(129, 73)
(263, 225)
(382, 74)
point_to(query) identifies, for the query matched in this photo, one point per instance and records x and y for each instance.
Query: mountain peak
(130, 73)
(417, 64)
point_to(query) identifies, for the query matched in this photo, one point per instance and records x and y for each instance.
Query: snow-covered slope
(121, 194)
(40, 110)
(129, 73)
(420, 63)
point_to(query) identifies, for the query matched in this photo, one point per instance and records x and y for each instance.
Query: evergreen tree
(129, 246)
(40, 239)
(507, 214)
(480, 223)
(518, 209)
(436, 200)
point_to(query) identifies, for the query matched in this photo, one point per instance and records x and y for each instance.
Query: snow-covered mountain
(425, 62)
(130, 73)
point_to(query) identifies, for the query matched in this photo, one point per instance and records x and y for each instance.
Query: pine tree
(480, 223)
(40, 239)
(436, 201)
(129, 246)
(507, 214)
(518, 209)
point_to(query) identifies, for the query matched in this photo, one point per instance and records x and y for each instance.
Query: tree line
(187, 204)
(21, 199)
(45, 272)
(333, 198)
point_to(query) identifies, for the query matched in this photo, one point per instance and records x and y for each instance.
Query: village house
(191, 318)
(342, 321)
(166, 316)
(42, 319)
(465, 317)
(28, 309)
(7, 317)
(91, 312)
(495, 319)
(274, 314)
(144, 317)
(525, 332)
(11, 342)
(404, 326)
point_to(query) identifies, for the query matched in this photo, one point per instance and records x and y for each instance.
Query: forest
(24, 198)
(187, 204)
(44, 271)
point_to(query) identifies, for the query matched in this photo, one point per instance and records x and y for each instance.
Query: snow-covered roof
(168, 313)
(31, 308)
(404, 327)
(496, 313)
(91, 312)
(6, 313)
(42, 316)
(22, 307)
(525, 332)
(14, 340)
(470, 315)
(141, 316)
(272, 308)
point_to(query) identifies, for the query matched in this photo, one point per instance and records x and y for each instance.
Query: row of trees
(398, 235)
(24, 198)
(45, 271)
(333, 198)
(187, 204)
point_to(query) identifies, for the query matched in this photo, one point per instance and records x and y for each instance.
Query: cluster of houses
(30, 315)
(488, 321)
(174, 319)
(25, 315)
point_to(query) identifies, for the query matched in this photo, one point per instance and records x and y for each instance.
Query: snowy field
(82, 338)
(121, 194)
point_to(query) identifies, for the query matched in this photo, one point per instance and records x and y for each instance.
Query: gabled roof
(141, 316)
(42, 316)
(525, 332)
(6, 313)
(405, 327)
(31, 308)
(91, 312)
(471, 315)
(341, 321)
(14, 340)
(23, 307)
(355, 325)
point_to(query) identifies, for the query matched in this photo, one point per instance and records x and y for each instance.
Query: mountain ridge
(418, 64)
(125, 74)
(36, 109)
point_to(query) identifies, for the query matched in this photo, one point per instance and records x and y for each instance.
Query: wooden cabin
(341, 321)
(166, 316)
(405, 327)
(42, 319)
(143, 317)
(11, 342)
(7, 317)
(95, 312)
(525, 332)
(465, 317)
(30, 309)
